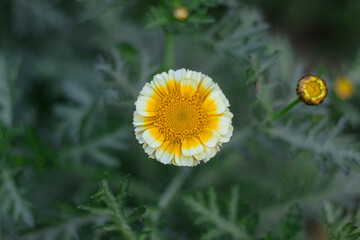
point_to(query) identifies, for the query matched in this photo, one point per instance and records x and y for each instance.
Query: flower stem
(285, 109)
(169, 51)
(171, 190)
(174, 186)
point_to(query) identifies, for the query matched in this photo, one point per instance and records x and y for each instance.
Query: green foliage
(70, 72)
(302, 129)
(106, 204)
(96, 8)
(163, 17)
(12, 202)
(232, 225)
(209, 212)
(117, 75)
(66, 228)
(237, 35)
(340, 225)
(323, 142)
(96, 149)
(290, 225)
(27, 19)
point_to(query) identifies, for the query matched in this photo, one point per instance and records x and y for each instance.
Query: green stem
(169, 51)
(171, 190)
(285, 109)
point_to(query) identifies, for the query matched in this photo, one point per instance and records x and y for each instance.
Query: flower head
(344, 88)
(182, 117)
(311, 89)
(181, 13)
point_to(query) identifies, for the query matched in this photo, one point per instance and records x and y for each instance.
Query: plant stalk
(169, 52)
(285, 109)
(171, 190)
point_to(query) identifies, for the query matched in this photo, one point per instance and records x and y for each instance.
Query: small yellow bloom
(311, 89)
(344, 88)
(182, 118)
(181, 13)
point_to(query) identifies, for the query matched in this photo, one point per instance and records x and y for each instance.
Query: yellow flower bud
(344, 88)
(181, 13)
(311, 89)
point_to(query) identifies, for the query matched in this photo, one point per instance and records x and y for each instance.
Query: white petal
(188, 87)
(140, 120)
(188, 74)
(165, 76)
(219, 123)
(206, 160)
(146, 106)
(213, 151)
(178, 154)
(225, 100)
(171, 74)
(149, 150)
(191, 147)
(206, 154)
(153, 137)
(149, 91)
(139, 138)
(214, 103)
(228, 114)
(201, 156)
(186, 161)
(179, 75)
(160, 84)
(196, 76)
(165, 153)
(205, 86)
(226, 138)
(216, 87)
(140, 128)
(195, 162)
(209, 137)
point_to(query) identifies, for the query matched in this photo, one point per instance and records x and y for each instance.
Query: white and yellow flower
(182, 117)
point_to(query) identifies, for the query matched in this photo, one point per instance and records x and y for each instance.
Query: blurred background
(71, 70)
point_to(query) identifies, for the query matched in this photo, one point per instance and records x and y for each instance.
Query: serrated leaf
(136, 214)
(97, 210)
(348, 228)
(12, 203)
(65, 228)
(208, 214)
(114, 209)
(96, 8)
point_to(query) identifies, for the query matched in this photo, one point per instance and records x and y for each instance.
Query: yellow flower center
(181, 117)
(344, 88)
(313, 88)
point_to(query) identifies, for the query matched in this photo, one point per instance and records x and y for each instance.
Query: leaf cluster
(104, 203)
(341, 225)
(162, 16)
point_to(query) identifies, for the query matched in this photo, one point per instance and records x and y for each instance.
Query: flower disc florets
(182, 117)
(311, 89)
(344, 88)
